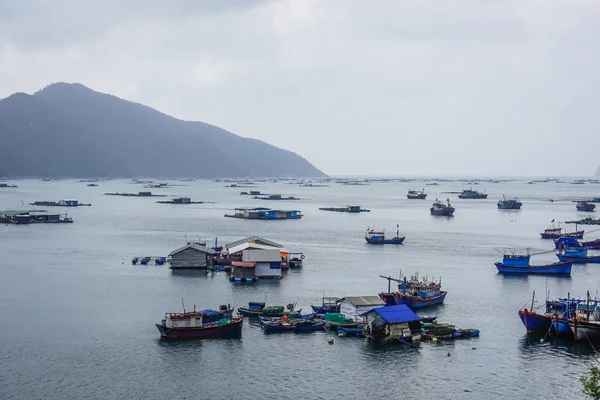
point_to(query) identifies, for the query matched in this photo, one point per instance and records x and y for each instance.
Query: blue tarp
(396, 314)
(211, 313)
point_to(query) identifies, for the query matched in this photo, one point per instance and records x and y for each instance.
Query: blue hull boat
(306, 317)
(580, 260)
(294, 326)
(559, 268)
(535, 323)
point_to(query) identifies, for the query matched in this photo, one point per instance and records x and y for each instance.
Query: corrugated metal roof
(16, 212)
(364, 300)
(193, 246)
(395, 314)
(251, 239)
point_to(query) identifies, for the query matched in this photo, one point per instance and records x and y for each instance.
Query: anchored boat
(509, 204)
(414, 292)
(519, 264)
(416, 194)
(440, 209)
(555, 232)
(378, 237)
(472, 194)
(583, 205)
(195, 325)
(577, 255)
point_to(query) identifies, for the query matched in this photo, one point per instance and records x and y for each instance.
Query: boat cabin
(514, 260)
(182, 200)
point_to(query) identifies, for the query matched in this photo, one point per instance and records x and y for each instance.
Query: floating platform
(275, 197)
(585, 221)
(264, 214)
(6, 185)
(347, 209)
(181, 200)
(25, 217)
(139, 194)
(61, 203)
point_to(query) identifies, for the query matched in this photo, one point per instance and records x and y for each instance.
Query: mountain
(70, 130)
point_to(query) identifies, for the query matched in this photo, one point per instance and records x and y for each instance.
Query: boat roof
(17, 212)
(252, 239)
(255, 246)
(195, 246)
(364, 300)
(395, 314)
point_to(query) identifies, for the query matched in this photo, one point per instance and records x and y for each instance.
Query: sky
(382, 87)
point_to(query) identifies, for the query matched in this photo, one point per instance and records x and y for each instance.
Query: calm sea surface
(78, 318)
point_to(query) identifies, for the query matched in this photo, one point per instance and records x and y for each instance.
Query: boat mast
(532, 299)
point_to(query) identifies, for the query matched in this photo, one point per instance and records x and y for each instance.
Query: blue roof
(396, 314)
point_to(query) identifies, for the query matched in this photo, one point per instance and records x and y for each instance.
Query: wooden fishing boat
(191, 325)
(298, 326)
(472, 194)
(585, 206)
(328, 305)
(586, 324)
(440, 209)
(555, 232)
(414, 293)
(509, 204)
(289, 316)
(416, 194)
(519, 264)
(565, 255)
(295, 260)
(378, 237)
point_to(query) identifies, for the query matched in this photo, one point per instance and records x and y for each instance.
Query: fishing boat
(577, 256)
(472, 194)
(440, 209)
(193, 325)
(519, 264)
(378, 237)
(555, 232)
(296, 260)
(416, 194)
(509, 204)
(328, 305)
(289, 316)
(585, 206)
(414, 293)
(298, 326)
(586, 324)
(565, 242)
(256, 309)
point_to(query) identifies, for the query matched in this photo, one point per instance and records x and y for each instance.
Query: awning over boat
(244, 264)
(396, 314)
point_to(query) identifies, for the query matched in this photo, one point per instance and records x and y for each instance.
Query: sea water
(78, 318)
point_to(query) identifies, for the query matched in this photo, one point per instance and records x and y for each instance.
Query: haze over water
(80, 318)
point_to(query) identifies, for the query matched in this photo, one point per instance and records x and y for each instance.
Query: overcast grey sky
(440, 87)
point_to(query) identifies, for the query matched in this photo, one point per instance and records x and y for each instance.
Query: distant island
(69, 130)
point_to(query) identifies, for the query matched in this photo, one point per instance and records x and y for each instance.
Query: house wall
(352, 312)
(261, 255)
(241, 272)
(190, 258)
(268, 269)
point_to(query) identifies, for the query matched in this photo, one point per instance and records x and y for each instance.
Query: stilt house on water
(353, 307)
(192, 256)
(255, 258)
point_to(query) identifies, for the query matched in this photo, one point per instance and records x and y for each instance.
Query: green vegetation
(591, 383)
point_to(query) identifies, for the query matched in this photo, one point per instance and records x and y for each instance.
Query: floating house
(347, 209)
(392, 323)
(139, 194)
(24, 217)
(60, 203)
(355, 307)
(258, 261)
(192, 256)
(264, 213)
